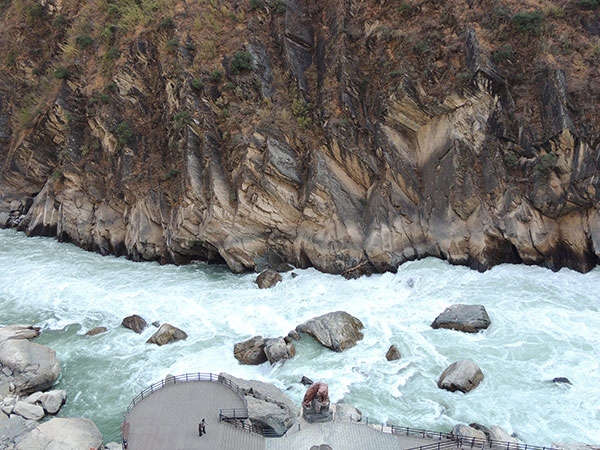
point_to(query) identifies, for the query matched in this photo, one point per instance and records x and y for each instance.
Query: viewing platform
(166, 415)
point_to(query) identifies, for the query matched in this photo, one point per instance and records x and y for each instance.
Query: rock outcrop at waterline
(346, 136)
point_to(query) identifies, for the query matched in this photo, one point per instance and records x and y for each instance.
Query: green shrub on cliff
(61, 73)
(241, 61)
(589, 4)
(124, 134)
(528, 21)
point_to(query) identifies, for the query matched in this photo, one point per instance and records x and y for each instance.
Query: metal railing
(478, 443)
(233, 414)
(445, 440)
(185, 378)
(238, 418)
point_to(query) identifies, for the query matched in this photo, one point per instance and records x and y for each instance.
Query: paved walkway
(346, 436)
(168, 420)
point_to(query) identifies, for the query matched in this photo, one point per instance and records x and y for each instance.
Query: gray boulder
(34, 366)
(18, 332)
(165, 334)
(135, 323)
(465, 431)
(63, 434)
(28, 411)
(393, 353)
(113, 446)
(8, 404)
(268, 279)
(336, 330)
(347, 412)
(268, 407)
(321, 447)
(279, 350)
(52, 401)
(15, 428)
(96, 330)
(250, 352)
(500, 434)
(462, 376)
(467, 318)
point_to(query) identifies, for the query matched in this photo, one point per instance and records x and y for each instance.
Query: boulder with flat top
(467, 318)
(463, 376)
(336, 330)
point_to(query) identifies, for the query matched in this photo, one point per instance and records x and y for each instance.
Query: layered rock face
(307, 151)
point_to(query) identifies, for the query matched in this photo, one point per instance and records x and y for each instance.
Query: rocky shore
(27, 373)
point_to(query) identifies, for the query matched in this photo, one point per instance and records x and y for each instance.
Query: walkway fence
(238, 417)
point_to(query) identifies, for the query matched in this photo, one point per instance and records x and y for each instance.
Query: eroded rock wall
(301, 158)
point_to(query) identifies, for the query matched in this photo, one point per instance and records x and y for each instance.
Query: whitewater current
(544, 325)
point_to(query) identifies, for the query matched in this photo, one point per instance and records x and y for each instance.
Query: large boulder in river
(135, 323)
(63, 434)
(467, 318)
(165, 334)
(34, 367)
(18, 332)
(250, 352)
(279, 350)
(463, 375)
(268, 279)
(268, 408)
(336, 330)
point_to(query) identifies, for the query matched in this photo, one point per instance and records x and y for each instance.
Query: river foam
(544, 325)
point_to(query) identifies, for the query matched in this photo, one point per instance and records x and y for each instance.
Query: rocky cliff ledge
(349, 136)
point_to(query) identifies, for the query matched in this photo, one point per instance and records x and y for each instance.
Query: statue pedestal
(311, 415)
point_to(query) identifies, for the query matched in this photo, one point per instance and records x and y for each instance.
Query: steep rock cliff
(349, 136)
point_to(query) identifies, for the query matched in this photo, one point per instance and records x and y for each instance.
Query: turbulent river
(544, 325)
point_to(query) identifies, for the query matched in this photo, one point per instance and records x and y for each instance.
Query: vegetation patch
(124, 134)
(241, 61)
(528, 21)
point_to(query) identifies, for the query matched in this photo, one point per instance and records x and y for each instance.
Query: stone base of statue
(311, 415)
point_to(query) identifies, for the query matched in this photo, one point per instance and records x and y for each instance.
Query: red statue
(319, 390)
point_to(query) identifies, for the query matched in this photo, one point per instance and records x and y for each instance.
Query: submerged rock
(268, 279)
(306, 381)
(96, 330)
(251, 351)
(467, 318)
(63, 434)
(561, 380)
(336, 330)
(268, 407)
(463, 375)
(165, 334)
(135, 323)
(393, 353)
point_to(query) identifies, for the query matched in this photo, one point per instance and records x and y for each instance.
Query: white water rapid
(544, 325)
